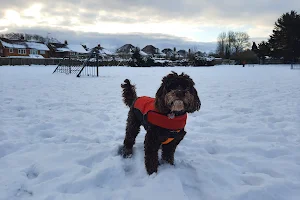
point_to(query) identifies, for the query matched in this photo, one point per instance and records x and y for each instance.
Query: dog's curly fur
(174, 87)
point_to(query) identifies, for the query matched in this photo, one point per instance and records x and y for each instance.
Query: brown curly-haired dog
(163, 117)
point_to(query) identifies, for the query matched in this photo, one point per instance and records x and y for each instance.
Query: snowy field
(59, 135)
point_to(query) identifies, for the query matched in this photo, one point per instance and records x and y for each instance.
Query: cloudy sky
(163, 23)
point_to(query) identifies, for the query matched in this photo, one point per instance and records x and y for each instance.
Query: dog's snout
(180, 93)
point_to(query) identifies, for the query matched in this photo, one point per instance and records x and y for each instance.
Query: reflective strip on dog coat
(146, 105)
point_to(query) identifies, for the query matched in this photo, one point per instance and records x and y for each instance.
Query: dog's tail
(129, 93)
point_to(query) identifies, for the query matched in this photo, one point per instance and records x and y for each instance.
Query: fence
(29, 61)
(54, 61)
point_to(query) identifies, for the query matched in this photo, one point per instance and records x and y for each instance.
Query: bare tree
(241, 42)
(231, 42)
(221, 44)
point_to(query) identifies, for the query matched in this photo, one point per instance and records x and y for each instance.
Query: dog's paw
(125, 152)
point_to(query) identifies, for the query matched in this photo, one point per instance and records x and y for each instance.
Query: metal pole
(97, 63)
(69, 63)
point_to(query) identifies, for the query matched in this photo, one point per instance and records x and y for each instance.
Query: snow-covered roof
(37, 46)
(105, 51)
(62, 50)
(25, 45)
(76, 48)
(143, 53)
(13, 45)
(127, 48)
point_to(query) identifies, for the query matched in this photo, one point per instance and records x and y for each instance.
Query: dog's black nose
(179, 93)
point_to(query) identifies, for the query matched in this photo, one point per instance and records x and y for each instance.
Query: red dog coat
(146, 106)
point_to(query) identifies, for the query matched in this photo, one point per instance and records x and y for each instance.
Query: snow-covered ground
(59, 136)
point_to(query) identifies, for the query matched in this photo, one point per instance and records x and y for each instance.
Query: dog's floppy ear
(159, 99)
(160, 94)
(196, 104)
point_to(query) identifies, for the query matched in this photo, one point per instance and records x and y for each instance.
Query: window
(11, 50)
(22, 51)
(42, 52)
(33, 51)
(1, 50)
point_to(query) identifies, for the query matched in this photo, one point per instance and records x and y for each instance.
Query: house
(151, 50)
(23, 48)
(58, 50)
(125, 51)
(182, 53)
(102, 51)
(61, 50)
(76, 49)
(168, 52)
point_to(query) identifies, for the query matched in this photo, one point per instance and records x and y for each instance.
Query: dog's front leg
(151, 146)
(168, 150)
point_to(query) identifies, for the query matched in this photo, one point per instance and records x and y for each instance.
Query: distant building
(23, 48)
(168, 52)
(182, 53)
(151, 50)
(125, 51)
(61, 50)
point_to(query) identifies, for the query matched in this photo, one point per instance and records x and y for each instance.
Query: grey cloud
(125, 20)
(201, 12)
(15, 4)
(255, 11)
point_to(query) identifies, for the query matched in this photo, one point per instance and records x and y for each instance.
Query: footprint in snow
(212, 148)
(32, 172)
(23, 192)
(190, 181)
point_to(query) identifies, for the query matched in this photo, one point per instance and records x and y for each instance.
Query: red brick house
(22, 48)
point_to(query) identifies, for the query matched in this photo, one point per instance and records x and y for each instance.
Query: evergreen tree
(262, 50)
(285, 40)
(254, 47)
(136, 59)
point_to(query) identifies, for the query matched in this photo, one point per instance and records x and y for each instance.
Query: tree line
(283, 43)
(24, 36)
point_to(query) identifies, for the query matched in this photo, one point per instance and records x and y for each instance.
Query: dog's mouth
(177, 106)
